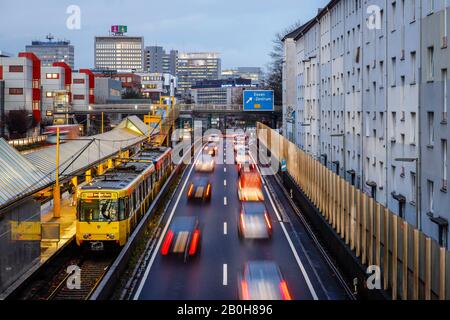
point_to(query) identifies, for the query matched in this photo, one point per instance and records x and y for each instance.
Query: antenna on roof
(50, 37)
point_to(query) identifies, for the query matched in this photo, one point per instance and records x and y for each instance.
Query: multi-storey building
(371, 87)
(220, 92)
(53, 51)
(196, 66)
(158, 61)
(156, 85)
(120, 53)
(22, 79)
(83, 85)
(56, 84)
(434, 130)
(253, 73)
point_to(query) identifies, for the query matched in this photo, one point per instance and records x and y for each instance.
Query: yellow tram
(111, 205)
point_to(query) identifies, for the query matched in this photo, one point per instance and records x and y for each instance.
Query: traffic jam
(258, 279)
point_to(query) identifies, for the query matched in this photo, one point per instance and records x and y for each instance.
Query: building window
(15, 68)
(393, 17)
(413, 187)
(394, 126)
(394, 71)
(444, 95)
(413, 10)
(16, 91)
(78, 97)
(430, 189)
(430, 128)
(444, 151)
(413, 67)
(52, 75)
(413, 127)
(430, 65)
(49, 94)
(431, 6)
(79, 81)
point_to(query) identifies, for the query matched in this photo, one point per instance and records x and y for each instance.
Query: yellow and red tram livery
(111, 205)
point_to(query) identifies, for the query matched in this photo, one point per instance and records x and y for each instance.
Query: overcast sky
(241, 30)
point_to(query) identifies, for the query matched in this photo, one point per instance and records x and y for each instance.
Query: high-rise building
(158, 61)
(119, 52)
(253, 73)
(51, 51)
(370, 102)
(195, 66)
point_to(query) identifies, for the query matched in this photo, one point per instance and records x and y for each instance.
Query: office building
(119, 52)
(196, 66)
(253, 73)
(158, 61)
(220, 92)
(156, 85)
(53, 51)
(363, 95)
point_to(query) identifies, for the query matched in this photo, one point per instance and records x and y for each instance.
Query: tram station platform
(67, 226)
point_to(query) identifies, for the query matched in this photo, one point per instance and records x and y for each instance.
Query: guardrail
(412, 265)
(108, 284)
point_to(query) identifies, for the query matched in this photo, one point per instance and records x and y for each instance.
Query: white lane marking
(225, 182)
(156, 251)
(225, 274)
(225, 228)
(225, 201)
(225, 169)
(291, 244)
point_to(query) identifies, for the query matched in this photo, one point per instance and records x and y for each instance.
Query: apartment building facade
(371, 91)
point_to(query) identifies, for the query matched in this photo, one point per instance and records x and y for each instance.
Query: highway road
(213, 275)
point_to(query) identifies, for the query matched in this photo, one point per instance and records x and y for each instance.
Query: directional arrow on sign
(249, 100)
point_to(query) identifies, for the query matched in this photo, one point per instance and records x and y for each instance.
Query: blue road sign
(283, 165)
(258, 100)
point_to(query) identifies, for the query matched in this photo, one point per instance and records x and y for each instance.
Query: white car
(205, 163)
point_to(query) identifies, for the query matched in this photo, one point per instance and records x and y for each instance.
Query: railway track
(51, 281)
(92, 270)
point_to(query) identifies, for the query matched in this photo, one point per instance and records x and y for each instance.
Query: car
(250, 186)
(242, 158)
(254, 221)
(214, 138)
(247, 166)
(262, 280)
(205, 163)
(182, 238)
(199, 188)
(210, 148)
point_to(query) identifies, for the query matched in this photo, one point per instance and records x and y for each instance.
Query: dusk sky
(241, 30)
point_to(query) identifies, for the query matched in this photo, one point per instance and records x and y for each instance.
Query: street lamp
(418, 177)
(339, 135)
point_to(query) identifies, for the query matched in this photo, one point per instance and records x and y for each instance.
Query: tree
(274, 76)
(131, 94)
(18, 123)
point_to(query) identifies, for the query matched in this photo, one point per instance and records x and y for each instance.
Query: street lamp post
(418, 189)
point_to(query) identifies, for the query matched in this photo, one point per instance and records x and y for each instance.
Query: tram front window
(94, 210)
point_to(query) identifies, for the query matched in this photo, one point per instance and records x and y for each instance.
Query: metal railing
(412, 265)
